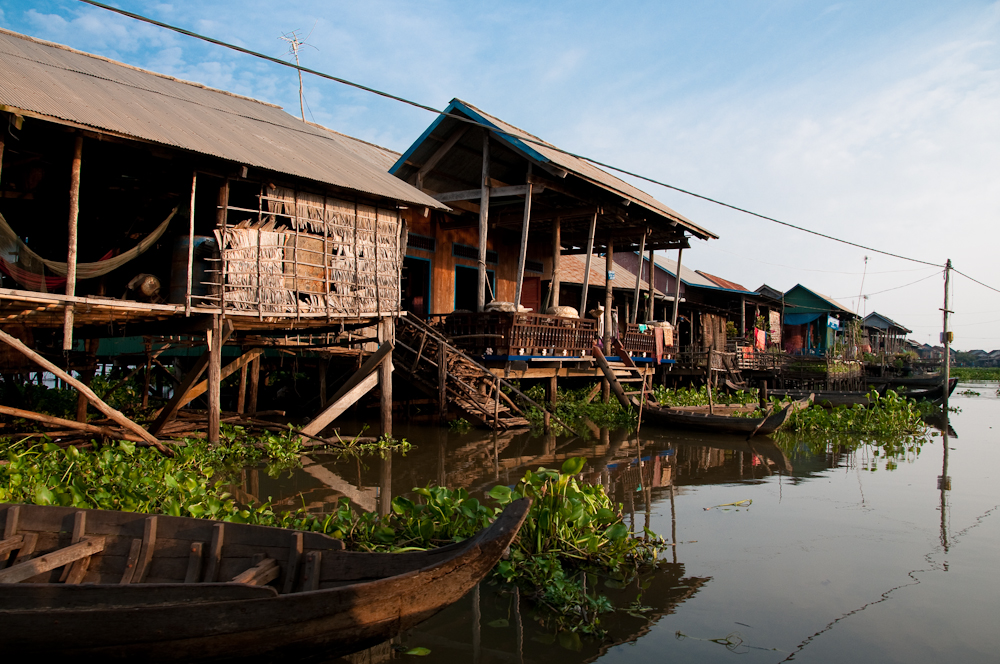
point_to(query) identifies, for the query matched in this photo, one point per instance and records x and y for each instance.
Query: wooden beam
(523, 254)
(74, 215)
(108, 411)
(385, 380)
(50, 561)
(484, 212)
(442, 150)
(69, 424)
(612, 379)
(362, 382)
(473, 194)
(677, 291)
(224, 373)
(651, 303)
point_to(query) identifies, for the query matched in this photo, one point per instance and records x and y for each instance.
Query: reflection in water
(655, 476)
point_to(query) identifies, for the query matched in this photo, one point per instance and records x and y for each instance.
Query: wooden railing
(521, 334)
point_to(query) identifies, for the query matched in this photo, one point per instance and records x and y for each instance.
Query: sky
(874, 122)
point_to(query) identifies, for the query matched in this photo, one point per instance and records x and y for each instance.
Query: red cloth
(759, 339)
(658, 339)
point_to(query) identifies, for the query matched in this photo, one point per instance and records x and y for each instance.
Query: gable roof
(66, 86)
(833, 304)
(724, 283)
(770, 293)
(875, 319)
(544, 154)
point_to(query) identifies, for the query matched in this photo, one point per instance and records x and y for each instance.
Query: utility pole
(946, 336)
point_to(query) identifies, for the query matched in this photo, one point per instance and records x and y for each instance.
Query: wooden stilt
(86, 376)
(321, 372)
(677, 291)
(609, 265)
(442, 362)
(385, 380)
(385, 485)
(651, 304)
(74, 214)
(241, 396)
(254, 384)
(357, 386)
(215, 344)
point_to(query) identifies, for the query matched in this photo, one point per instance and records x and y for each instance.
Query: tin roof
(72, 87)
(543, 153)
(723, 283)
(875, 319)
(573, 266)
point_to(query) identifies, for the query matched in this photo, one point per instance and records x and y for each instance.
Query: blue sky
(875, 122)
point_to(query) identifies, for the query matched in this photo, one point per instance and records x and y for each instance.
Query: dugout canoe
(118, 585)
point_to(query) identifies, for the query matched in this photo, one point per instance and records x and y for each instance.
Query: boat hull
(323, 623)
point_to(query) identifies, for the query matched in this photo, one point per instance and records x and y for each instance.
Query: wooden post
(522, 256)
(677, 291)
(651, 305)
(241, 395)
(947, 342)
(74, 215)
(190, 259)
(442, 362)
(221, 216)
(638, 277)
(385, 379)
(214, 379)
(556, 258)
(321, 371)
(586, 269)
(254, 383)
(708, 383)
(85, 377)
(484, 213)
(553, 389)
(385, 479)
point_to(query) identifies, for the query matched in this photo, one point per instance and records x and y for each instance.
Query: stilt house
(134, 204)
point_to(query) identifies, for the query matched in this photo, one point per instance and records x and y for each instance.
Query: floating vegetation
(889, 415)
(971, 393)
(975, 373)
(576, 406)
(573, 529)
(698, 396)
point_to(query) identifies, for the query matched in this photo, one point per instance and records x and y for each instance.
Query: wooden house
(134, 204)
(519, 206)
(885, 336)
(814, 323)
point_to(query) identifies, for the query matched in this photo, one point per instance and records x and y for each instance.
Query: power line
(975, 280)
(519, 137)
(846, 297)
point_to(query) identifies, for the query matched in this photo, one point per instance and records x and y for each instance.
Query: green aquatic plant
(884, 415)
(573, 408)
(698, 396)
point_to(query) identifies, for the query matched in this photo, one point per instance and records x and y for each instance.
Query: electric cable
(494, 129)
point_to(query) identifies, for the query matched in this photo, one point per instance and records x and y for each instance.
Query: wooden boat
(834, 399)
(120, 585)
(703, 421)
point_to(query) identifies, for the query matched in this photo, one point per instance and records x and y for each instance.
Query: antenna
(294, 45)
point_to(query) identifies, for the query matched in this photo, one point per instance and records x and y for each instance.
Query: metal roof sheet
(85, 89)
(573, 266)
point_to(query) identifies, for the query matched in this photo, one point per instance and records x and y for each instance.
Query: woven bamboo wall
(309, 254)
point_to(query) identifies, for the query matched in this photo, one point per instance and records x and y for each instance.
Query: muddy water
(840, 556)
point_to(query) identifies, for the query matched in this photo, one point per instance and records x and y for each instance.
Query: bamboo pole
(484, 213)
(215, 342)
(108, 411)
(522, 256)
(609, 257)
(190, 257)
(651, 304)
(638, 277)
(677, 290)
(74, 216)
(586, 269)
(556, 258)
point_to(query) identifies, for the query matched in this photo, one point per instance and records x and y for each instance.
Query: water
(839, 557)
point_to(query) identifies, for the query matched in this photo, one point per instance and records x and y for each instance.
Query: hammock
(27, 268)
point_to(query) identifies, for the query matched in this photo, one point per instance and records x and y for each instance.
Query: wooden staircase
(428, 359)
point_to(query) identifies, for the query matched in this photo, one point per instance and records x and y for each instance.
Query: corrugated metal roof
(544, 153)
(688, 277)
(584, 169)
(85, 89)
(724, 283)
(869, 321)
(573, 266)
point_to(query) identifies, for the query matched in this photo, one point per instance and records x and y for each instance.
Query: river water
(840, 556)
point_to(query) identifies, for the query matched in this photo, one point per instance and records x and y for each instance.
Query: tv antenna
(294, 46)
